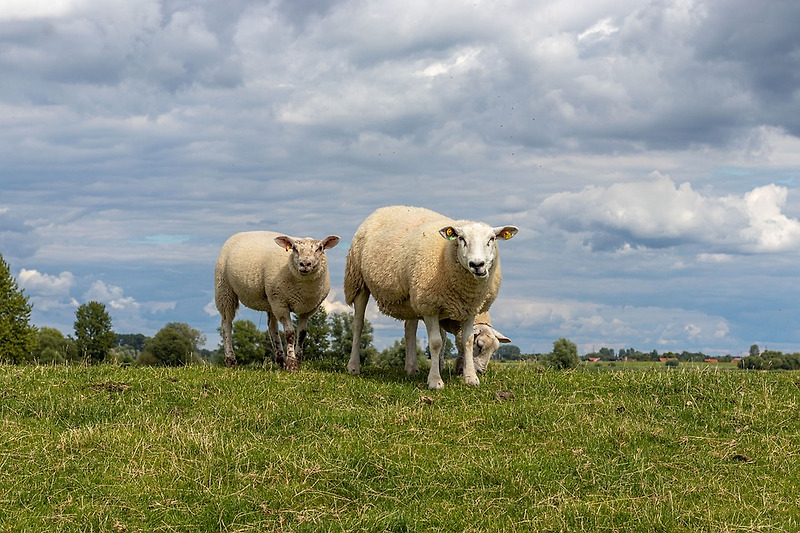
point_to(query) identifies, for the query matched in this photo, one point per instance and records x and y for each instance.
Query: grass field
(210, 449)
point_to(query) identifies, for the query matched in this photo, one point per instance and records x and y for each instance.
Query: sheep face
(477, 245)
(487, 341)
(306, 253)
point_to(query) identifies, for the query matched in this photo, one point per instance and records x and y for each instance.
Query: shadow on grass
(395, 374)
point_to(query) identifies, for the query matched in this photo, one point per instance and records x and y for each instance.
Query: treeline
(631, 354)
(329, 338)
(770, 360)
(177, 343)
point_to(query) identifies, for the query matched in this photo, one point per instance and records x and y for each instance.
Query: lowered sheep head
(307, 253)
(477, 245)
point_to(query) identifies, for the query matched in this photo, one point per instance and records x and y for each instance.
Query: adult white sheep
(418, 264)
(267, 271)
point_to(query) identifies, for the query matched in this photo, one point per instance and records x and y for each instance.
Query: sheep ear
(449, 233)
(284, 241)
(505, 232)
(500, 336)
(330, 241)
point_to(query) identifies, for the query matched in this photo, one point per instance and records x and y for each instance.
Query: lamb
(417, 263)
(486, 341)
(267, 271)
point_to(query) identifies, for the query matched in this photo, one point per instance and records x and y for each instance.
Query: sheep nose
(476, 264)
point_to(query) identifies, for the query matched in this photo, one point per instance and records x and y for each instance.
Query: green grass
(211, 449)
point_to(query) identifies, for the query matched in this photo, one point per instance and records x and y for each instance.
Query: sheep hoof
(436, 384)
(472, 380)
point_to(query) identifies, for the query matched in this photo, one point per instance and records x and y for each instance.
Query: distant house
(710, 360)
(594, 359)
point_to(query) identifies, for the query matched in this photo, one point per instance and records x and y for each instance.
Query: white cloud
(32, 9)
(333, 305)
(110, 294)
(602, 29)
(658, 213)
(41, 284)
(211, 308)
(769, 229)
(585, 322)
(159, 307)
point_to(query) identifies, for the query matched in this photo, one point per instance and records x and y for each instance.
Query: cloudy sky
(648, 151)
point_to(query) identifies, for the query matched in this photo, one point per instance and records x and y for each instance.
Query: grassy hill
(210, 449)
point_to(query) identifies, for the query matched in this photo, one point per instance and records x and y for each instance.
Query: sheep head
(477, 245)
(307, 253)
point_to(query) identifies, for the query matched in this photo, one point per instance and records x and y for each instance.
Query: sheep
(486, 341)
(417, 263)
(267, 271)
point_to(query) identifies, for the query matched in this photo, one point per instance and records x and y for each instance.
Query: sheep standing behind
(418, 264)
(486, 341)
(270, 272)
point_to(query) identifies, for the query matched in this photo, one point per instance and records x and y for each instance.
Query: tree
(341, 334)
(17, 335)
(565, 354)
(128, 347)
(754, 350)
(53, 347)
(194, 336)
(395, 356)
(93, 335)
(169, 347)
(508, 352)
(448, 349)
(250, 345)
(607, 354)
(134, 340)
(316, 342)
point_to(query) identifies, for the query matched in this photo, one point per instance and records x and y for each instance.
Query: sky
(649, 153)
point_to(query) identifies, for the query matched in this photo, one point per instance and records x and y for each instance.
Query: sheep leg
(443, 333)
(302, 330)
(468, 339)
(360, 306)
(227, 304)
(275, 339)
(227, 340)
(410, 328)
(435, 344)
(291, 364)
(460, 350)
